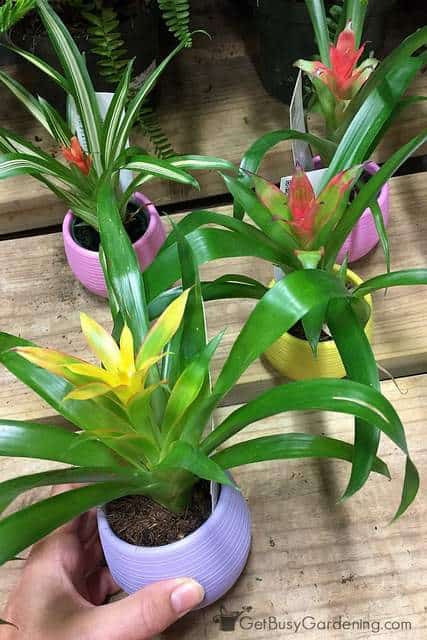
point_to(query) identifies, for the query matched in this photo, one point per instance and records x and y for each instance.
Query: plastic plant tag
(104, 99)
(315, 178)
(300, 149)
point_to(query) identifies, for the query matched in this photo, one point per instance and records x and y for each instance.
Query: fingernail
(186, 596)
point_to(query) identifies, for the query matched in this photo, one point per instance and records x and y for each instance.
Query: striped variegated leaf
(12, 143)
(16, 164)
(26, 99)
(144, 164)
(59, 127)
(136, 102)
(42, 65)
(115, 115)
(78, 78)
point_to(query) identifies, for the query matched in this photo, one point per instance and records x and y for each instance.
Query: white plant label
(104, 99)
(300, 150)
(315, 178)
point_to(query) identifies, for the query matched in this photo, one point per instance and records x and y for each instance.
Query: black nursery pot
(286, 34)
(139, 26)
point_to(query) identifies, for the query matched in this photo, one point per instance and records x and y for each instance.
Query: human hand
(63, 587)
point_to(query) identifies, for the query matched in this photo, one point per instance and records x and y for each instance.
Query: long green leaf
(86, 415)
(52, 73)
(374, 113)
(115, 115)
(339, 396)
(52, 442)
(360, 365)
(123, 271)
(17, 164)
(367, 194)
(316, 9)
(280, 308)
(11, 489)
(394, 279)
(59, 127)
(155, 167)
(23, 528)
(207, 245)
(25, 97)
(286, 447)
(136, 102)
(78, 78)
(184, 456)
(381, 230)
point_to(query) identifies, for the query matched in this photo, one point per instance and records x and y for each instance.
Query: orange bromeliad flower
(76, 155)
(342, 78)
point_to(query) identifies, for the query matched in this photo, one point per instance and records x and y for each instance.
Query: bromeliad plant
(358, 100)
(102, 147)
(142, 420)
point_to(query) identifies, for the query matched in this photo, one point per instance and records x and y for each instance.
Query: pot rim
(225, 496)
(329, 345)
(141, 199)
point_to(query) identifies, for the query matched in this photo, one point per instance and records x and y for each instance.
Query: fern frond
(106, 43)
(150, 126)
(12, 11)
(176, 14)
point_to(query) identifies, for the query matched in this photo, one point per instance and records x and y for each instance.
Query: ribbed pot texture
(364, 236)
(214, 555)
(85, 264)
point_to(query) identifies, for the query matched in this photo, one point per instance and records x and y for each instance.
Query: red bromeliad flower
(342, 78)
(310, 219)
(76, 155)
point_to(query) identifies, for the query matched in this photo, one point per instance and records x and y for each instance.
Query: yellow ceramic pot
(293, 357)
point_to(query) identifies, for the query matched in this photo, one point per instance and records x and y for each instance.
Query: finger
(87, 526)
(100, 585)
(93, 554)
(145, 613)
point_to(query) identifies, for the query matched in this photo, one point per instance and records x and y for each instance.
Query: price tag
(315, 178)
(300, 149)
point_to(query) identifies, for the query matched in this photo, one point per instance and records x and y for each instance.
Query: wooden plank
(212, 102)
(42, 301)
(313, 559)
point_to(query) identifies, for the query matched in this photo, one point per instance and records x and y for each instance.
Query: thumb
(145, 613)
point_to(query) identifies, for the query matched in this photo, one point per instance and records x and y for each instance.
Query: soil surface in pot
(136, 224)
(298, 332)
(143, 522)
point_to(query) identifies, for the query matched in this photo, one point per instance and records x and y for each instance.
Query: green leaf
(123, 271)
(366, 195)
(280, 308)
(57, 124)
(393, 279)
(381, 230)
(286, 447)
(81, 87)
(25, 97)
(207, 245)
(373, 114)
(17, 164)
(136, 102)
(154, 167)
(316, 9)
(52, 73)
(52, 442)
(360, 365)
(23, 528)
(202, 163)
(326, 394)
(183, 456)
(115, 114)
(186, 390)
(313, 322)
(11, 489)
(86, 415)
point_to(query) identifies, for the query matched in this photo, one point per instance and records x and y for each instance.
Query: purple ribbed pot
(214, 555)
(364, 236)
(85, 264)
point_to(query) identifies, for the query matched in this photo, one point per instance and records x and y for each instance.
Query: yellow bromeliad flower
(122, 374)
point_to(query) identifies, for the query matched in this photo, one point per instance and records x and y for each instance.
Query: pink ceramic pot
(364, 236)
(85, 264)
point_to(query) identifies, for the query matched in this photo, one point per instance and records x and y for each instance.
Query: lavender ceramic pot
(85, 264)
(214, 555)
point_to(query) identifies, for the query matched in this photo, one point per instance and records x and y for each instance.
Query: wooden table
(313, 561)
